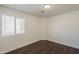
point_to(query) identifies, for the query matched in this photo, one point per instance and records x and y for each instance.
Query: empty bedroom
(39, 28)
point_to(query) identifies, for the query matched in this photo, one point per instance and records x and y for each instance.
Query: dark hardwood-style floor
(45, 47)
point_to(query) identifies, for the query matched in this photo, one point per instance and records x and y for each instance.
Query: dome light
(47, 6)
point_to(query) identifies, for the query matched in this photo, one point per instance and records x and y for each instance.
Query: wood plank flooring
(45, 47)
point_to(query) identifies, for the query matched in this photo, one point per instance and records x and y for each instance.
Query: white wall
(43, 28)
(64, 29)
(31, 34)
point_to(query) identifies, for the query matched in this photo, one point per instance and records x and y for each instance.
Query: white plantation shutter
(7, 25)
(12, 25)
(19, 25)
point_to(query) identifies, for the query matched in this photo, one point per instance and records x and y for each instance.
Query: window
(19, 25)
(7, 25)
(12, 25)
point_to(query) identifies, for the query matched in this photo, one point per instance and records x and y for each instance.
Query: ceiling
(35, 9)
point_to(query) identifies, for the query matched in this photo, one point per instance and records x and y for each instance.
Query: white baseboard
(19, 46)
(22, 45)
(74, 46)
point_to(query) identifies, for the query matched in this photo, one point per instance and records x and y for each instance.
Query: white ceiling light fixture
(46, 6)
